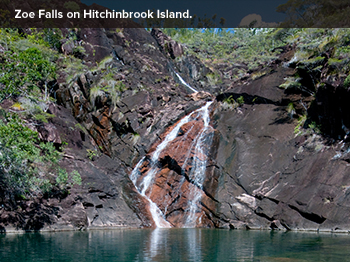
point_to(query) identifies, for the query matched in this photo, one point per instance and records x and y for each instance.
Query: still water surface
(174, 245)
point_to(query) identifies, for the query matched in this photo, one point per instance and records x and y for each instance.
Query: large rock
(273, 179)
(169, 46)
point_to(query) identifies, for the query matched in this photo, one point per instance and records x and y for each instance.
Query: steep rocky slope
(126, 98)
(105, 136)
(272, 178)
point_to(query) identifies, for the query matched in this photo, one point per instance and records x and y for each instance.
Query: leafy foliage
(72, 6)
(107, 86)
(347, 81)
(28, 166)
(234, 103)
(25, 162)
(251, 47)
(22, 70)
(315, 13)
(48, 37)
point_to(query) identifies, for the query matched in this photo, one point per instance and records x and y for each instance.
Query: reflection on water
(174, 245)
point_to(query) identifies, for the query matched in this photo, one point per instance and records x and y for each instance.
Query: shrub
(240, 100)
(347, 81)
(27, 166)
(234, 103)
(291, 83)
(291, 109)
(299, 126)
(23, 70)
(72, 6)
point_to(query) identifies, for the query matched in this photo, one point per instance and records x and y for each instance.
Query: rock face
(167, 45)
(271, 178)
(258, 173)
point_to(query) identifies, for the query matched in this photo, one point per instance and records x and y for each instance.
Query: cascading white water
(199, 165)
(184, 83)
(156, 213)
(197, 173)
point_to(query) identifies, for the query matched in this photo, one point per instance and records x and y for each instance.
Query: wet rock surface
(184, 198)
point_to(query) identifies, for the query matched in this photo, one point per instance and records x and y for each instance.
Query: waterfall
(196, 165)
(197, 173)
(156, 213)
(184, 83)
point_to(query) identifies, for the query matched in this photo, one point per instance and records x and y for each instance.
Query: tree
(316, 13)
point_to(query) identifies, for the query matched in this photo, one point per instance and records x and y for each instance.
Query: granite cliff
(263, 170)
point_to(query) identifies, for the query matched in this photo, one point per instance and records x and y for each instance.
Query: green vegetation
(291, 109)
(291, 83)
(240, 100)
(234, 103)
(347, 81)
(252, 47)
(319, 56)
(214, 79)
(107, 86)
(23, 70)
(91, 154)
(27, 166)
(72, 6)
(299, 126)
(311, 13)
(30, 61)
(28, 65)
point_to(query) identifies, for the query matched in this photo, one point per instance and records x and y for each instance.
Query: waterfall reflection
(156, 240)
(174, 244)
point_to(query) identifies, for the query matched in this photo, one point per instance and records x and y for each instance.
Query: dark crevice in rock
(173, 165)
(122, 129)
(106, 195)
(261, 213)
(273, 200)
(330, 111)
(300, 203)
(93, 190)
(86, 204)
(309, 216)
(173, 211)
(210, 210)
(286, 226)
(95, 217)
(209, 195)
(175, 200)
(273, 225)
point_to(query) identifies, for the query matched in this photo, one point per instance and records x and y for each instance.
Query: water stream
(197, 171)
(184, 83)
